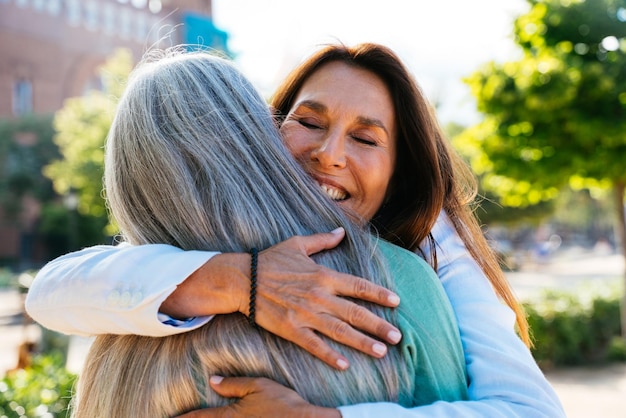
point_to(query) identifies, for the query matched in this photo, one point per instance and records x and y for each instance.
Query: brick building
(50, 50)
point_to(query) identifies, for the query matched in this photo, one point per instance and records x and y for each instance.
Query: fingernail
(216, 379)
(337, 231)
(394, 299)
(379, 348)
(342, 364)
(394, 336)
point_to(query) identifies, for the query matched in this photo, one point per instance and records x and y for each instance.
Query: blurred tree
(488, 210)
(558, 115)
(82, 126)
(25, 146)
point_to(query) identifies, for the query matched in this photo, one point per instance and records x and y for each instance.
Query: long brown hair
(429, 176)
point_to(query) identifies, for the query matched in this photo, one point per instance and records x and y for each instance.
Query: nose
(330, 152)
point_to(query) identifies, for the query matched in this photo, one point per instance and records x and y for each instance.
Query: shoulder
(417, 284)
(414, 278)
(430, 337)
(423, 300)
(402, 260)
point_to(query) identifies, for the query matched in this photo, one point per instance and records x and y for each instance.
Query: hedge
(575, 328)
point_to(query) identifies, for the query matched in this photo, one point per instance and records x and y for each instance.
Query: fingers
(319, 242)
(312, 343)
(298, 300)
(241, 387)
(354, 326)
(233, 387)
(358, 288)
(351, 324)
(359, 328)
(359, 317)
(343, 333)
(351, 286)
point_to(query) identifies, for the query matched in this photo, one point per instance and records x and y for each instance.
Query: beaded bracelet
(253, 267)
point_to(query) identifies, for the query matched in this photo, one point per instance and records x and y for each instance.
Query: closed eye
(364, 141)
(308, 125)
(365, 137)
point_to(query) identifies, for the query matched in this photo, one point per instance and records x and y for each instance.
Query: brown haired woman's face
(341, 128)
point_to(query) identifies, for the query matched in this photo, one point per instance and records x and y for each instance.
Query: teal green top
(431, 344)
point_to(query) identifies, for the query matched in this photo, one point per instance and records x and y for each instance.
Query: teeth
(333, 193)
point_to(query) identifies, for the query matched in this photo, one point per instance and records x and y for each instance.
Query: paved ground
(598, 392)
(567, 270)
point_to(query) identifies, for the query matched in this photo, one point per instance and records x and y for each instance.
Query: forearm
(218, 286)
(488, 408)
(501, 369)
(107, 289)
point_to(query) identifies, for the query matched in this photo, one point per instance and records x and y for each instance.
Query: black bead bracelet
(253, 267)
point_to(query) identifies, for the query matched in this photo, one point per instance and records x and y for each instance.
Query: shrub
(42, 389)
(617, 349)
(576, 328)
(7, 278)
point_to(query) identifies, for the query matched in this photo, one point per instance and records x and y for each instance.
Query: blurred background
(531, 92)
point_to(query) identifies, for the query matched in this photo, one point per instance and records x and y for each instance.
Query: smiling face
(341, 128)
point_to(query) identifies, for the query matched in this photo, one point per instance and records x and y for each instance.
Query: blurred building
(50, 50)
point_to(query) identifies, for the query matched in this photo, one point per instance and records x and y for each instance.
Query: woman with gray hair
(193, 159)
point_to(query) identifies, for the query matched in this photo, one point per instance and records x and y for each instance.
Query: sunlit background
(63, 63)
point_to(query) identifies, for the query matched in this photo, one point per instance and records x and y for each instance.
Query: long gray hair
(194, 159)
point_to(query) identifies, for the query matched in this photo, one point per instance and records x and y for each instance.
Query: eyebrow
(321, 108)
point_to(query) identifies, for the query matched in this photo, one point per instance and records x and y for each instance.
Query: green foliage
(556, 117)
(572, 330)
(617, 349)
(488, 209)
(64, 230)
(42, 389)
(7, 278)
(82, 126)
(25, 147)
(490, 212)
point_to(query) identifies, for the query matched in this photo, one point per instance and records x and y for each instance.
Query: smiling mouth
(334, 193)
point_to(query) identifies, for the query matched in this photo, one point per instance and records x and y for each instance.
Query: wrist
(219, 286)
(230, 273)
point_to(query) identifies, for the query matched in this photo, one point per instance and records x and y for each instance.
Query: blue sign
(200, 32)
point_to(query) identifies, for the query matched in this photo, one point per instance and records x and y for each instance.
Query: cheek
(379, 175)
(294, 139)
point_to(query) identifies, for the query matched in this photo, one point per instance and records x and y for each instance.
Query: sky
(440, 41)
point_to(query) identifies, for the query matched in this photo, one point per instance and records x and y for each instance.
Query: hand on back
(295, 298)
(259, 397)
